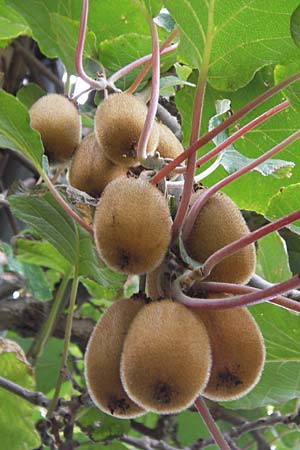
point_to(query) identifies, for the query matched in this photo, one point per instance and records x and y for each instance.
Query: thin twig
(30, 58)
(36, 398)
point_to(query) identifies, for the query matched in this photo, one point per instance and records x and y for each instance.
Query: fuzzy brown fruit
(132, 226)
(119, 121)
(219, 223)
(58, 120)
(90, 171)
(166, 358)
(168, 145)
(102, 360)
(238, 353)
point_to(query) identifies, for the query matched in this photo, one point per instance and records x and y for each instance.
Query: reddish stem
(198, 205)
(213, 133)
(210, 424)
(237, 301)
(230, 288)
(242, 131)
(65, 205)
(237, 245)
(151, 113)
(164, 49)
(96, 84)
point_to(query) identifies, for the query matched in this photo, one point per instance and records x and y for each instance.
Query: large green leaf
(122, 50)
(55, 25)
(42, 253)
(15, 131)
(247, 35)
(286, 201)
(45, 215)
(12, 24)
(252, 191)
(16, 414)
(272, 259)
(280, 379)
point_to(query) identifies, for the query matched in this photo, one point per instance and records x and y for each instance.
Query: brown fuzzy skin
(58, 120)
(132, 226)
(166, 358)
(219, 223)
(90, 171)
(168, 145)
(238, 353)
(119, 121)
(102, 360)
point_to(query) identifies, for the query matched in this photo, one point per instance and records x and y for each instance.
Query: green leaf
(286, 201)
(103, 425)
(15, 131)
(12, 24)
(55, 25)
(97, 291)
(16, 412)
(164, 20)
(41, 211)
(122, 50)
(191, 428)
(280, 378)
(295, 26)
(272, 259)
(29, 94)
(246, 36)
(48, 365)
(41, 253)
(168, 83)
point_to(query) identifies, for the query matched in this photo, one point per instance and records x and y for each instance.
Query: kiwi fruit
(132, 226)
(57, 119)
(119, 121)
(219, 223)
(90, 171)
(168, 145)
(102, 359)
(238, 352)
(166, 358)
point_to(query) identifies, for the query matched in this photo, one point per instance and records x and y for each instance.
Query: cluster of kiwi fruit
(151, 353)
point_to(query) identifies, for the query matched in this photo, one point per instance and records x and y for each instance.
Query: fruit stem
(198, 205)
(68, 331)
(230, 288)
(242, 131)
(210, 424)
(65, 205)
(38, 347)
(164, 49)
(96, 84)
(196, 124)
(205, 269)
(213, 133)
(237, 301)
(151, 113)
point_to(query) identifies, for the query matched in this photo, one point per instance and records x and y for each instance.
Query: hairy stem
(150, 118)
(67, 339)
(210, 424)
(36, 398)
(65, 205)
(237, 301)
(213, 133)
(230, 288)
(202, 200)
(164, 49)
(96, 84)
(196, 124)
(37, 349)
